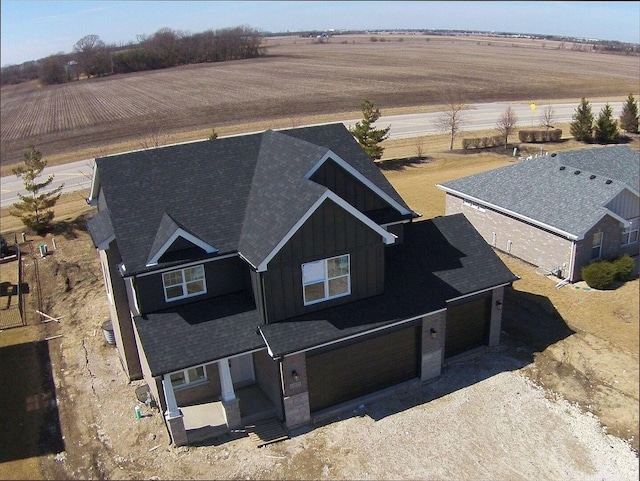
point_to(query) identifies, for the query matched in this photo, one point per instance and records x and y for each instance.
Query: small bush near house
(599, 274)
(624, 266)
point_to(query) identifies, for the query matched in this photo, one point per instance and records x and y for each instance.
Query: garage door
(467, 326)
(362, 367)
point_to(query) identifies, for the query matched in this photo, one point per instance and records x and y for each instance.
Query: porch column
(173, 415)
(226, 384)
(230, 403)
(172, 405)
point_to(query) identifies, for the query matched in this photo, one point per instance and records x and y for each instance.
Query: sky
(31, 30)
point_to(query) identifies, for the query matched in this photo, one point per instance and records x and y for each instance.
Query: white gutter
(568, 235)
(480, 292)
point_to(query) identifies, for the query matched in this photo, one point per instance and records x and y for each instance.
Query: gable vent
(608, 181)
(592, 176)
(562, 167)
(577, 172)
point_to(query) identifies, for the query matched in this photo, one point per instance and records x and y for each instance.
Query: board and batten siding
(222, 276)
(335, 178)
(625, 204)
(330, 231)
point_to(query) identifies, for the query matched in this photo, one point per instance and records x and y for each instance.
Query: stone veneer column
(173, 416)
(296, 395)
(497, 300)
(433, 336)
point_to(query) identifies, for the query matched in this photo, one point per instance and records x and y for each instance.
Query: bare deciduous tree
(548, 117)
(88, 51)
(507, 124)
(419, 148)
(450, 120)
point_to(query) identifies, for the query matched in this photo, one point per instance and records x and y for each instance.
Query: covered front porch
(207, 419)
(215, 406)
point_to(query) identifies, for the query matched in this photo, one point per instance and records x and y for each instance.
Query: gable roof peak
(169, 230)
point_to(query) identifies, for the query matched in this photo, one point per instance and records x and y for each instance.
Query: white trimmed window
(326, 279)
(188, 377)
(596, 245)
(630, 233)
(184, 283)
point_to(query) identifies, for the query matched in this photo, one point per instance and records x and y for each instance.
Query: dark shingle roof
(569, 200)
(199, 332)
(439, 260)
(100, 228)
(239, 193)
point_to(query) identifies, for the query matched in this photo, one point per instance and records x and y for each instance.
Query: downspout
(572, 260)
(264, 297)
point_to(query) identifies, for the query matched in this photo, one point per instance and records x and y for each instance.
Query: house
(560, 211)
(283, 261)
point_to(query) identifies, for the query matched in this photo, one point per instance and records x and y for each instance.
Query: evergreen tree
(582, 126)
(629, 118)
(4, 248)
(606, 129)
(35, 210)
(367, 136)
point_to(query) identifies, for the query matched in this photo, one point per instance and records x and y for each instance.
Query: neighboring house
(560, 211)
(284, 261)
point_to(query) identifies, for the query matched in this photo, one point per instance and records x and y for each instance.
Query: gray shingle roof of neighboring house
(239, 193)
(566, 193)
(440, 260)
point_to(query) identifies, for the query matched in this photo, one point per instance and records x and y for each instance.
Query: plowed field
(299, 80)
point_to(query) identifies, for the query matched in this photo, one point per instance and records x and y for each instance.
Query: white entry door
(241, 368)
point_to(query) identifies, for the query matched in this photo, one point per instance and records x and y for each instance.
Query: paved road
(77, 175)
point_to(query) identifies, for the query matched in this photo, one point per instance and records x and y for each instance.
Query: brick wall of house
(296, 391)
(432, 345)
(611, 247)
(525, 241)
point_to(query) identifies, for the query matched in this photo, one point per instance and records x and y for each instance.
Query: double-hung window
(596, 245)
(188, 376)
(630, 233)
(184, 283)
(326, 279)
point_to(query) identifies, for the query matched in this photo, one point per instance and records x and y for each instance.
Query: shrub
(599, 274)
(624, 267)
(555, 135)
(482, 142)
(538, 135)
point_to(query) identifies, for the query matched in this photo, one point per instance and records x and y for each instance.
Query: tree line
(91, 57)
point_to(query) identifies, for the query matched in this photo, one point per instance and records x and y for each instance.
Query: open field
(301, 81)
